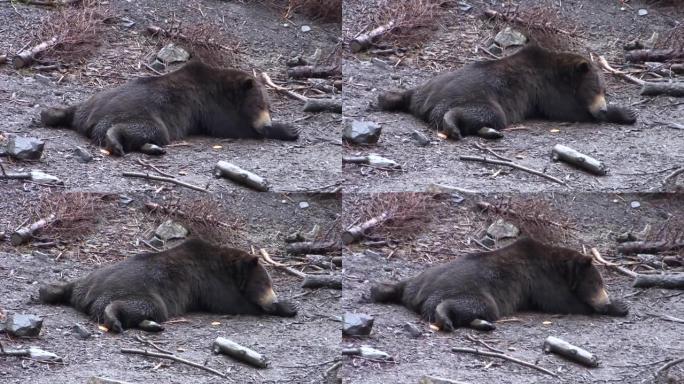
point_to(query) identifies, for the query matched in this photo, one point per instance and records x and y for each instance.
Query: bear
(146, 289)
(197, 99)
(484, 97)
(478, 288)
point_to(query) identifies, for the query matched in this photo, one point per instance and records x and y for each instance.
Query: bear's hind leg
(474, 312)
(143, 313)
(483, 120)
(125, 137)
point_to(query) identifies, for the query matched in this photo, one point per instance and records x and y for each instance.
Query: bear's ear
(583, 67)
(578, 268)
(248, 84)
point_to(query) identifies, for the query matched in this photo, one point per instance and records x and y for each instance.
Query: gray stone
(19, 325)
(420, 138)
(488, 241)
(357, 324)
(171, 53)
(152, 149)
(509, 37)
(303, 205)
(412, 330)
(495, 49)
(43, 178)
(362, 132)
(306, 28)
(642, 12)
(379, 161)
(501, 229)
(170, 230)
(625, 237)
(83, 155)
(25, 148)
(635, 204)
(80, 331)
(158, 66)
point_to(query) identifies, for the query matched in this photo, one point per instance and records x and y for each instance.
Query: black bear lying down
(194, 100)
(146, 289)
(532, 83)
(480, 288)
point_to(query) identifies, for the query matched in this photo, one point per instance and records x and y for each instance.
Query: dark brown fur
(526, 275)
(194, 276)
(532, 83)
(194, 100)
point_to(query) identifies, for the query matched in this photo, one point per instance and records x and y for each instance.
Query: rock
(642, 12)
(171, 53)
(412, 330)
(306, 28)
(170, 230)
(420, 138)
(438, 380)
(25, 148)
(294, 237)
(488, 241)
(43, 178)
(40, 355)
(635, 204)
(509, 37)
(502, 230)
(83, 155)
(379, 161)
(303, 205)
(104, 380)
(19, 325)
(80, 331)
(158, 66)
(362, 132)
(357, 324)
(495, 49)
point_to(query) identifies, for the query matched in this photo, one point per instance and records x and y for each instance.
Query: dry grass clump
(75, 214)
(673, 38)
(404, 214)
(541, 24)
(204, 218)
(77, 31)
(535, 218)
(206, 41)
(413, 20)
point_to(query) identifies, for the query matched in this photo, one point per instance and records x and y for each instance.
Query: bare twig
(171, 357)
(166, 179)
(512, 165)
(505, 357)
(604, 63)
(619, 268)
(270, 83)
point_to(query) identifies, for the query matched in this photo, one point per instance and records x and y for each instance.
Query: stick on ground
(512, 165)
(239, 352)
(241, 176)
(618, 268)
(505, 357)
(24, 234)
(145, 352)
(569, 155)
(26, 57)
(365, 40)
(666, 281)
(356, 232)
(162, 178)
(270, 83)
(323, 105)
(567, 350)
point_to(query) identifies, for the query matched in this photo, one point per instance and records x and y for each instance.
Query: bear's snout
(598, 107)
(263, 120)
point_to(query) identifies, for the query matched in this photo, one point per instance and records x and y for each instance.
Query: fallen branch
(24, 234)
(569, 155)
(241, 176)
(26, 57)
(239, 352)
(512, 165)
(663, 369)
(311, 71)
(3, 59)
(604, 64)
(618, 268)
(270, 83)
(567, 350)
(322, 281)
(356, 232)
(666, 281)
(673, 175)
(311, 247)
(505, 357)
(323, 105)
(643, 55)
(365, 40)
(635, 247)
(675, 89)
(162, 178)
(282, 266)
(171, 357)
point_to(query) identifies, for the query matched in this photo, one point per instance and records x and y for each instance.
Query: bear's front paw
(281, 131)
(617, 308)
(285, 309)
(619, 115)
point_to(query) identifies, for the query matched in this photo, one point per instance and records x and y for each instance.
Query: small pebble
(303, 205)
(635, 204)
(306, 28)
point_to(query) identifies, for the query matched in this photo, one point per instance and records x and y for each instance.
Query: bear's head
(587, 284)
(250, 101)
(256, 286)
(589, 89)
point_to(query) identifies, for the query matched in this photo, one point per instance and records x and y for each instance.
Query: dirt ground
(299, 349)
(630, 349)
(264, 45)
(638, 157)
